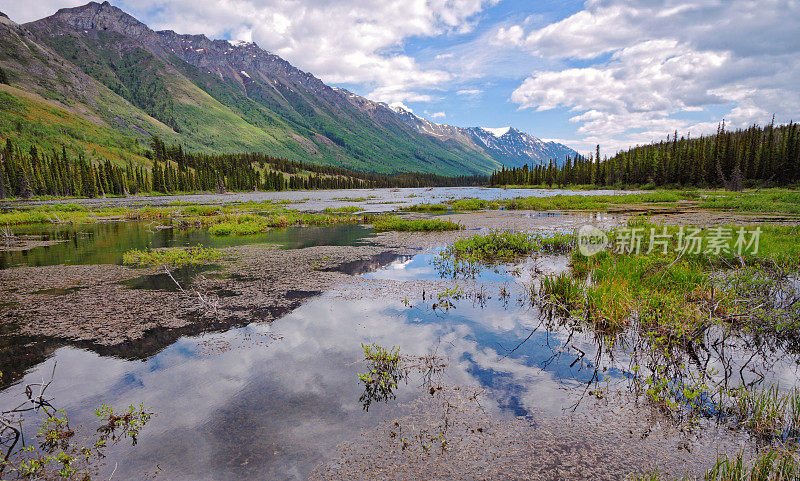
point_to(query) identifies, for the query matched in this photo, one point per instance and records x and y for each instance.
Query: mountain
(103, 66)
(514, 148)
(509, 146)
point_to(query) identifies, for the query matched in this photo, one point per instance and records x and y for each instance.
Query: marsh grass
(598, 202)
(771, 464)
(425, 208)
(174, 257)
(396, 223)
(250, 223)
(770, 200)
(505, 246)
(466, 256)
(761, 411)
(474, 204)
(348, 209)
(563, 292)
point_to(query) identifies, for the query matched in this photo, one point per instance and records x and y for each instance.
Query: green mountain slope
(103, 65)
(215, 97)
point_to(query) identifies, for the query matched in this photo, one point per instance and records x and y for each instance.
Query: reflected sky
(271, 401)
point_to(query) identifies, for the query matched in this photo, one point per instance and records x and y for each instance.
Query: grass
(562, 291)
(767, 412)
(773, 464)
(396, 223)
(598, 202)
(426, 208)
(770, 200)
(474, 204)
(348, 209)
(251, 223)
(175, 257)
(504, 246)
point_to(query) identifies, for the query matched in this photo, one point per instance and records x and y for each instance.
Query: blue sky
(609, 72)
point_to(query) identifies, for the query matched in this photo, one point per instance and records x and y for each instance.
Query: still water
(271, 401)
(371, 200)
(106, 242)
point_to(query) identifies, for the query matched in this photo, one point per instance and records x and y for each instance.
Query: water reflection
(106, 242)
(272, 401)
(273, 410)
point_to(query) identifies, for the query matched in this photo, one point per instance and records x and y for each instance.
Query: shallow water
(106, 242)
(270, 402)
(273, 401)
(375, 200)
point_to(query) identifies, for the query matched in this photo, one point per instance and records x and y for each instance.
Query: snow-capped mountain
(509, 146)
(515, 148)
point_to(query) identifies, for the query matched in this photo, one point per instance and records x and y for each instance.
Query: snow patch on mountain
(497, 131)
(400, 107)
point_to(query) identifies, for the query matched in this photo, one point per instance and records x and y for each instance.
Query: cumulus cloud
(438, 115)
(340, 41)
(22, 12)
(645, 64)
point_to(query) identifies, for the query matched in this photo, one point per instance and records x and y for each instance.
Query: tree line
(755, 156)
(34, 172)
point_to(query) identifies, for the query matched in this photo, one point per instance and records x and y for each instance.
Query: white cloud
(22, 12)
(438, 115)
(651, 62)
(340, 41)
(472, 93)
(400, 105)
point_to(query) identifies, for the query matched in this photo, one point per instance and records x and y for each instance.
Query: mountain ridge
(203, 90)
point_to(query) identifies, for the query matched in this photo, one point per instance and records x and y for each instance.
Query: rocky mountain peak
(101, 16)
(5, 20)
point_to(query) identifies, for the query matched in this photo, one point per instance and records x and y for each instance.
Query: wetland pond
(274, 400)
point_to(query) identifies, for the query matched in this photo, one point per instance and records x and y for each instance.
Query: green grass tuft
(175, 257)
(396, 223)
